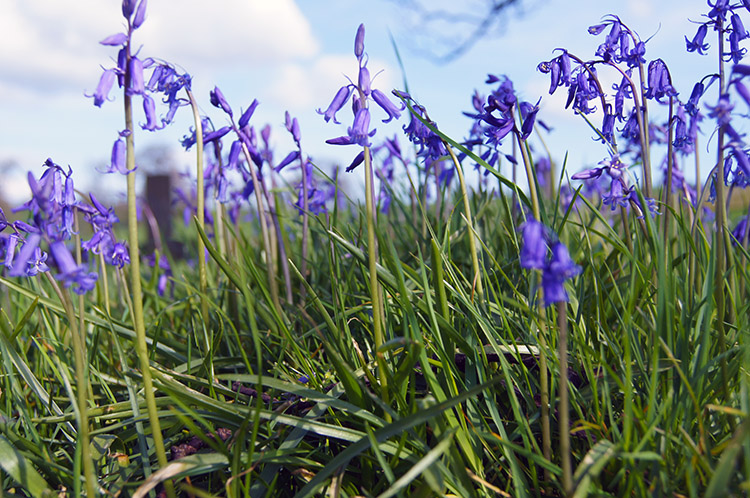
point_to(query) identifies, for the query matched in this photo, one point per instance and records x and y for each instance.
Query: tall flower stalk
(542, 251)
(359, 133)
(129, 73)
(135, 272)
(201, 205)
(477, 277)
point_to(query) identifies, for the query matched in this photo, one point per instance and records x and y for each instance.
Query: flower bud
(359, 41)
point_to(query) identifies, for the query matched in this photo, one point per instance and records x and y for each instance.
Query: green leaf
(200, 463)
(15, 465)
(591, 465)
(397, 427)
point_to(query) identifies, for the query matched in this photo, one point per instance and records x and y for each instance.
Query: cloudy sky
(291, 55)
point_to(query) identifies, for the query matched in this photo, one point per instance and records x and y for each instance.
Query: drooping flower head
(542, 251)
(360, 133)
(163, 84)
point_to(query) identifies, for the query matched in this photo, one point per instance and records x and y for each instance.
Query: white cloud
(222, 32)
(53, 47)
(307, 85)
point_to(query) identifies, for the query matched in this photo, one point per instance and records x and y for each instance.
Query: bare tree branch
(444, 34)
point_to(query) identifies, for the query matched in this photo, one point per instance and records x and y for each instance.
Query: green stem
(105, 283)
(201, 205)
(644, 132)
(544, 395)
(670, 166)
(135, 281)
(477, 277)
(721, 221)
(530, 174)
(372, 254)
(564, 427)
(263, 228)
(79, 354)
(305, 227)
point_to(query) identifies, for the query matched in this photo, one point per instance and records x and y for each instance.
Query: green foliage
(649, 409)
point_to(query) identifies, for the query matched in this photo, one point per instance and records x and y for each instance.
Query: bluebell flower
(19, 264)
(541, 251)
(210, 136)
(659, 81)
(339, 100)
(683, 141)
(117, 159)
(164, 78)
(741, 232)
(623, 91)
(140, 15)
(631, 130)
(636, 55)
(218, 100)
(149, 109)
(722, 111)
(430, 144)
(289, 159)
(70, 273)
(719, 10)
(10, 250)
(37, 263)
(359, 133)
(534, 249)
(559, 268)
(691, 106)
(245, 117)
(292, 126)
(582, 90)
(528, 115)
(137, 85)
(359, 42)
(115, 40)
(101, 93)
(393, 111)
(697, 44)
(358, 159)
(618, 194)
(608, 125)
(360, 129)
(736, 53)
(128, 7)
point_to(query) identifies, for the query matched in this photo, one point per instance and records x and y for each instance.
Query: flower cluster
(734, 31)
(130, 70)
(52, 208)
(542, 251)
(359, 133)
(317, 197)
(619, 194)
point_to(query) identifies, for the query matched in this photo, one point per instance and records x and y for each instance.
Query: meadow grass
(400, 352)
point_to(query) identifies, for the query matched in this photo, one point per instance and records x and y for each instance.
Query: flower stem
(720, 230)
(670, 166)
(372, 254)
(305, 228)
(544, 398)
(263, 227)
(136, 290)
(201, 205)
(82, 382)
(530, 174)
(644, 131)
(477, 277)
(564, 427)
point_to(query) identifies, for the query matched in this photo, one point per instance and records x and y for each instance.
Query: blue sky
(291, 55)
